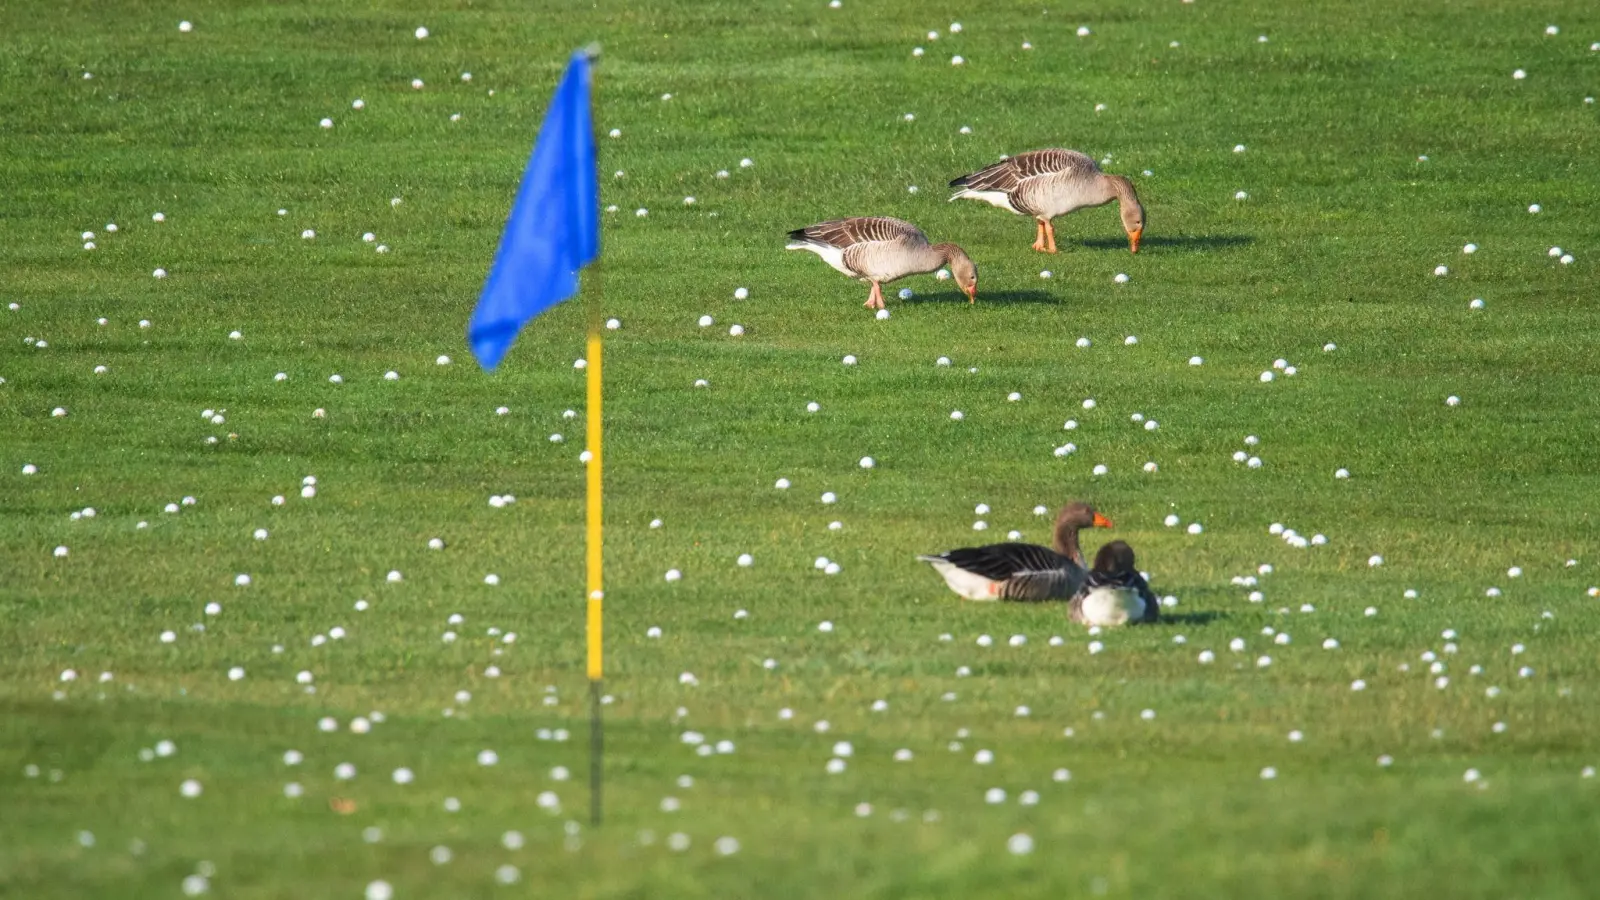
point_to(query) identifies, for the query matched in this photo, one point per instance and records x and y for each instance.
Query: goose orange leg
(875, 299)
(1038, 236)
(1050, 236)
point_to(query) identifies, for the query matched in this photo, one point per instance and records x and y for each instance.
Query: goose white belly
(1107, 606)
(970, 585)
(993, 198)
(833, 256)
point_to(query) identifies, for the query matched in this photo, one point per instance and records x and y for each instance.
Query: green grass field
(1380, 138)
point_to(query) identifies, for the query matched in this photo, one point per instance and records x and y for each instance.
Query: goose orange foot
(875, 299)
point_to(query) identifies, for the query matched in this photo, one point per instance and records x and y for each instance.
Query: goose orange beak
(1102, 522)
(972, 294)
(1133, 239)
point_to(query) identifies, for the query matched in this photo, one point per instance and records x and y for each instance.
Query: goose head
(964, 271)
(1132, 223)
(1073, 518)
(1131, 210)
(1081, 515)
(1115, 558)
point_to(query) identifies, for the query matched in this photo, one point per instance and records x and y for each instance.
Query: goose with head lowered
(878, 250)
(1025, 572)
(1114, 593)
(1049, 183)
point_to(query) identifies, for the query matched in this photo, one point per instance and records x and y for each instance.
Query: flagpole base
(596, 751)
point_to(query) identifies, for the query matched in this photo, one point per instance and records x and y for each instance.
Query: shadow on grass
(1177, 243)
(991, 297)
(1197, 618)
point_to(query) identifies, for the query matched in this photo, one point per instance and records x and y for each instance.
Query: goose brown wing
(999, 562)
(1152, 604)
(1042, 584)
(843, 233)
(1051, 162)
(1002, 177)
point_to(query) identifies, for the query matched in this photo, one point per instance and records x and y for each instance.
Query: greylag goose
(1049, 183)
(1022, 571)
(879, 250)
(1114, 593)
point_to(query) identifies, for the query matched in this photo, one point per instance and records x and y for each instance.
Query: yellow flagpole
(596, 589)
(596, 592)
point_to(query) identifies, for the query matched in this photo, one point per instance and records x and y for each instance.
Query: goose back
(875, 248)
(1040, 183)
(1012, 571)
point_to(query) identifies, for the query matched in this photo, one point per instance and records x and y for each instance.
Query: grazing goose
(1049, 183)
(1022, 571)
(1114, 593)
(879, 249)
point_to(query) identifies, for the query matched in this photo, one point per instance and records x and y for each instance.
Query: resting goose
(1022, 571)
(879, 250)
(1114, 593)
(1049, 183)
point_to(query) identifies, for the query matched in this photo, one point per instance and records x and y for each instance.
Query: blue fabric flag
(554, 227)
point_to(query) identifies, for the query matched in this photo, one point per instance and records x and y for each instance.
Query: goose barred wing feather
(1053, 162)
(1006, 175)
(999, 562)
(1042, 584)
(1001, 177)
(844, 233)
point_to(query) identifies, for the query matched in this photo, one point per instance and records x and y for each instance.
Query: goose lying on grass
(1024, 572)
(1114, 593)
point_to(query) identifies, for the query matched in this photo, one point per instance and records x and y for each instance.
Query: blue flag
(554, 227)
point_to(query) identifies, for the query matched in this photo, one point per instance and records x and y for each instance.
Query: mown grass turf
(1344, 224)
